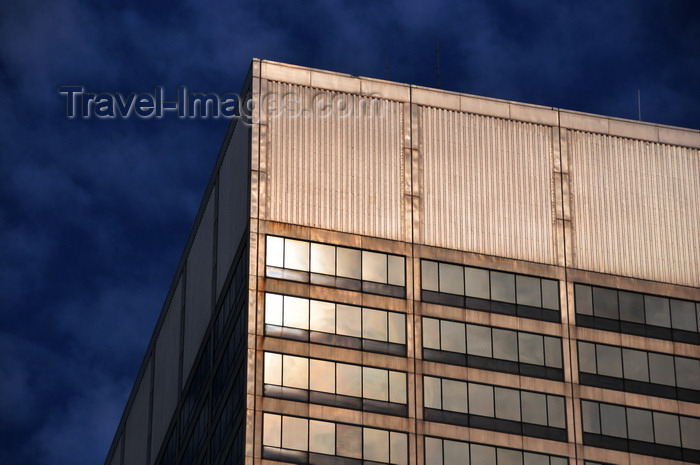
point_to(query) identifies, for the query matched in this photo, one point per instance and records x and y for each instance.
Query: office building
(385, 273)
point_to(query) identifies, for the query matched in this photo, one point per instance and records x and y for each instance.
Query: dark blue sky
(94, 213)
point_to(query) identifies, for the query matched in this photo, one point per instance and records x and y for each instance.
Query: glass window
(591, 417)
(375, 445)
(528, 291)
(451, 279)
(688, 373)
(322, 316)
(479, 340)
(375, 383)
(483, 455)
(502, 286)
(295, 433)
(433, 451)
(556, 413)
(374, 266)
(349, 441)
(537, 459)
(452, 337)
(273, 368)
(559, 461)
(531, 348)
(397, 387)
(683, 315)
(295, 372)
(275, 251)
(505, 344)
(322, 437)
(657, 311)
(399, 448)
(431, 333)
(666, 429)
(507, 404)
(605, 303)
(455, 452)
(661, 369)
(612, 420)
(296, 312)
(349, 321)
(481, 400)
(322, 259)
(454, 396)
(272, 430)
(476, 282)
(550, 294)
(397, 328)
(534, 407)
(397, 270)
(348, 380)
(583, 299)
(552, 350)
(374, 324)
(635, 365)
(586, 357)
(322, 376)
(690, 432)
(429, 275)
(348, 263)
(639, 425)
(631, 307)
(273, 309)
(432, 392)
(296, 255)
(509, 457)
(609, 360)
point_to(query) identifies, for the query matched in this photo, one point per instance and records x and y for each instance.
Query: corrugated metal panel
(636, 208)
(136, 430)
(487, 185)
(334, 172)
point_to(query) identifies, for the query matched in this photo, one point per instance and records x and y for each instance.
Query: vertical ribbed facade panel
(343, 173)
(487, 185)
(636, 208)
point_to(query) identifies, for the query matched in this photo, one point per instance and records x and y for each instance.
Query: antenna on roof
(437, 63)
(639, 104)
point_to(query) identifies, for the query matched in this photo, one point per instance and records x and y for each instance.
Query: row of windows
(473, 402)
(490, 290)
(475, 345)
(635, 313)
(641, 431)
(335, 266)
(447, 452)
(299, 440)
(639, 371)
(335, 324)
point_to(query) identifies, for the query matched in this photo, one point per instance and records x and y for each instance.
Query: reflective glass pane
(481, 400)
(451, 279)
(295, 433)
(605, 303)
(556, 411)
(273, 309)
(374, 267)
(505, 344)
(479, 340)
(349, 320)
(531, 348)
(688, 373)
(322, 376)
(349, 441)
(375, 383)
(296, 312)
(397, 387)
(657, 311)
(559, 461)
(586, 357)
(635, 365)
(639, 425)
(591, 417)
(295, 372)
(502, 287)
(348, 380)
(552, 352)
(374, 324)
(429, 275)
(483, 455)
(667, 429)
(690, 432)
(476, 283)
(631, 306)
(683, 315)
(530, 458)
(322, 437)
(431, 333)
(583, 299)
(452, 337)
(273, 368)
(455, 452)
(550, 294)
(296, 254)
(375, 445)
(661, 369)
(272, 430)
(612, 420)
(397, 270)
(323, 259)
(527, 291)
(397, 328)
(454, 396)
(348, 263)
(507, 404)
(322, 316)
(433, 451)
(534, 407)
(274, 253)
(398, 448)
(609, 360)
(432, 392)
(509, 457)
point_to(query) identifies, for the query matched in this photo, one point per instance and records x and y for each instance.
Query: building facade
(382, 273)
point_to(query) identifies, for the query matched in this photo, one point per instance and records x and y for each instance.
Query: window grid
(437, 452)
